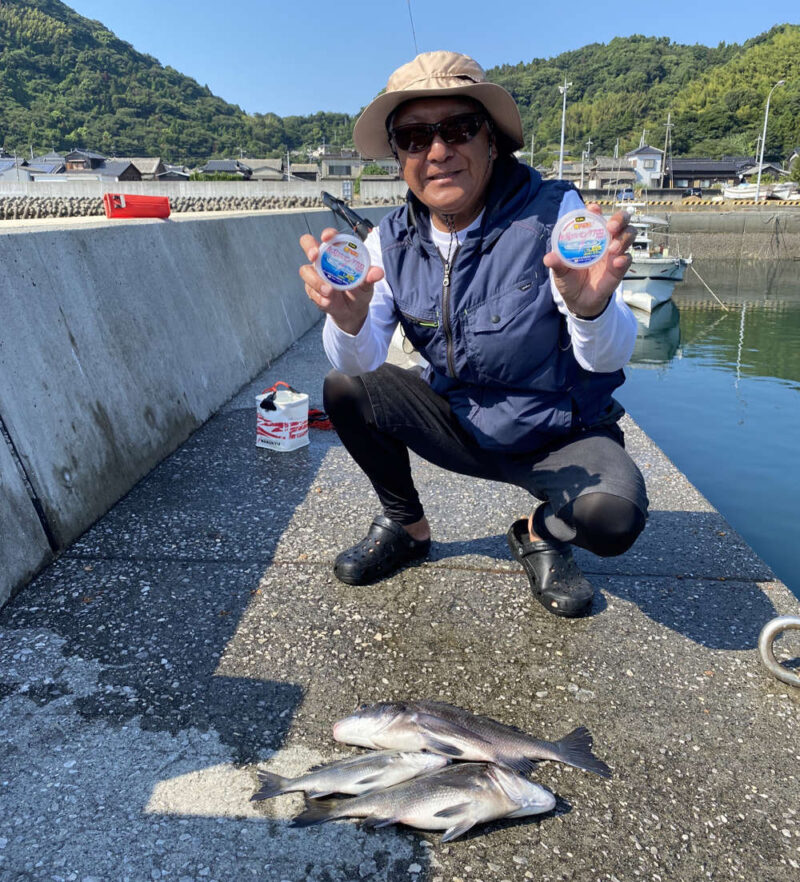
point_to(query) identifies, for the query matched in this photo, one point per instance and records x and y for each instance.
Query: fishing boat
(657, 264)
(743, 191)
(658, 335)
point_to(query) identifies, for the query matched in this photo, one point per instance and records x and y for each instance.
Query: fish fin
(452, 810)
(446, 728)
(318, 794)
(318, 811)
(376, 823)
(575, 749)
(368, 779)
(523, 765)
(436, 745)
(457, 830)
(271, 785)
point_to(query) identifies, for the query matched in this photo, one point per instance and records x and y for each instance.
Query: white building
(648, 164)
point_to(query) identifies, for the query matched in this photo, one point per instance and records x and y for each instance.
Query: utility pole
(764, 138)
(667, 141)
(585, 155)
(563, 90)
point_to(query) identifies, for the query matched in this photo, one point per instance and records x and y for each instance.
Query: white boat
(784, 190)
(743, 191)
(658, 335)
(657, 263)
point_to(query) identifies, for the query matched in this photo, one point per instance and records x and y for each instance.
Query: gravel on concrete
(196, 633)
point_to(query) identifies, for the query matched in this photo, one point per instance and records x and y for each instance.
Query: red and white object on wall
(118, 205)
(281, 418)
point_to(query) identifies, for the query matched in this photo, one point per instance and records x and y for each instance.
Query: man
(523, 352)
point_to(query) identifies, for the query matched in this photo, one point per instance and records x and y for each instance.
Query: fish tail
(575, 749)
(271, 785)
(318, 811)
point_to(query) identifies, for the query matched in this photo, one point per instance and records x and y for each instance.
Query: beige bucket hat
(431, 75)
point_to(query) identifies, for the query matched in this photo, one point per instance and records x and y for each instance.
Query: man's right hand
(347, 308)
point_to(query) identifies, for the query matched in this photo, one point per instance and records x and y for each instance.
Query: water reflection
(723, 401)
(658, 335)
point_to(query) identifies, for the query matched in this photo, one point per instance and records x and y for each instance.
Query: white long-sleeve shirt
(603, 343)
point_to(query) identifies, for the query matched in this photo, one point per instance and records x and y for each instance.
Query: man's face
(449, 178)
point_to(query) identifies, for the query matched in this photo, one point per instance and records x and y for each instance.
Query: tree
(374, 169)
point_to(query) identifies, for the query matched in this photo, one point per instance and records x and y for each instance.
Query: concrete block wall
(120, 338)
(200, 189)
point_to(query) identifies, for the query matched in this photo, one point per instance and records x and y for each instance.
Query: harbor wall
(200, 189)
(118, 340)
(757, 233)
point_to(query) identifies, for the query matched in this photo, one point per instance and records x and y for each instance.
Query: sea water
(719, 392)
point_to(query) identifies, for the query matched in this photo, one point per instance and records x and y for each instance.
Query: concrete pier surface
(196, 633)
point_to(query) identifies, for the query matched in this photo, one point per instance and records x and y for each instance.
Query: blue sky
(298, 58)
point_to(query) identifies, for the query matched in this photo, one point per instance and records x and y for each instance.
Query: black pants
(593, 492)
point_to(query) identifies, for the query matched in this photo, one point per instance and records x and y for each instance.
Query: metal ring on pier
(767, 637)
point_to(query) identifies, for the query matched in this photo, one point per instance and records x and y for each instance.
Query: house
(341, 164)
(606, 172)
(648, 164)
(264, 169)
(305, 171)
(226, 167)
(49, 160)
(83, 160)
(749, 173)
(391, 166)
(13, 168)
(150, 167)
(174, 173)
(702, 172)
(571, 171)
(86, 165)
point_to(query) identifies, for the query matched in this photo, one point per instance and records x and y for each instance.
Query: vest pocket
(511, 340)
(421, 329)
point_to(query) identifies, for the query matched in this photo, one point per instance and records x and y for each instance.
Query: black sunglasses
(416, 137)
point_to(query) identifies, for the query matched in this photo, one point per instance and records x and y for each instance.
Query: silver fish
(453, 799)
(354, 775)
(443, 728)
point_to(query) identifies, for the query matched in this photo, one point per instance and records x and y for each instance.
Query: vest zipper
(448, 330)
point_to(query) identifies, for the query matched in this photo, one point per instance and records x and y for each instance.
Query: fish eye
(362, 707)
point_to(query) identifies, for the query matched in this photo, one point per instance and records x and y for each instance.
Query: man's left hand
(587, 291)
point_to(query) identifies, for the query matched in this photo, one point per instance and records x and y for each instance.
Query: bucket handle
(268, 403)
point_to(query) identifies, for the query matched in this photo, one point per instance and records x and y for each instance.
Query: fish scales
(353, 775)
(452, 731)
(453, 799)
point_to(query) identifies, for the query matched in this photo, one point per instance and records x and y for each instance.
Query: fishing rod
(361, 226)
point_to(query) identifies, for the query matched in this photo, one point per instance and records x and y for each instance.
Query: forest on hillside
(67, 82)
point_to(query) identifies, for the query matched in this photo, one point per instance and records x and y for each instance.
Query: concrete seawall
(118, 340)
(762, 233)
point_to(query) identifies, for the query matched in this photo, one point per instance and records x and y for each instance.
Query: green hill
(66, 81)
(716, 95)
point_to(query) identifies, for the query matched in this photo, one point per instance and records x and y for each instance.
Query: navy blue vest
(498, 347)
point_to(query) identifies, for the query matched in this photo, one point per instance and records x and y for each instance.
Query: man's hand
(587, 291)
(347, 308)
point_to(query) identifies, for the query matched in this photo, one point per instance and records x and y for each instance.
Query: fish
(443, 728)
(453, 799)
(354, 775)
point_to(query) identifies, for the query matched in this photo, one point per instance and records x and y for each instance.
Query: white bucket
(285, 425)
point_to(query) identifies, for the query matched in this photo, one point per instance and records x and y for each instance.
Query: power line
(413, 30)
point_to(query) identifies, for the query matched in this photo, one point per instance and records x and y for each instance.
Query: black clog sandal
(555, 579)
(386, 547)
